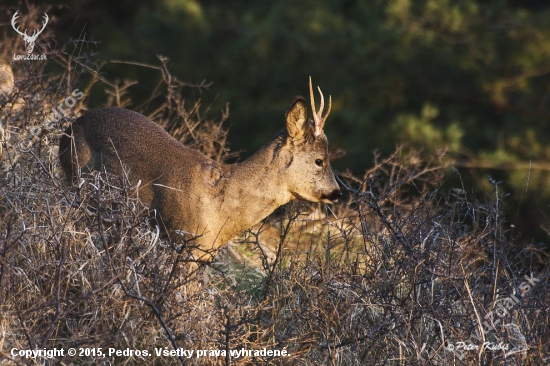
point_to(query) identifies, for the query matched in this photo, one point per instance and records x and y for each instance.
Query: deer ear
(296, 119)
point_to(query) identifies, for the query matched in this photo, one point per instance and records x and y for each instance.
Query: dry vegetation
(396, 275)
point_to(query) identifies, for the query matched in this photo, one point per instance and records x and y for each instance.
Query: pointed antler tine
(312, 99)
(328, 110)
(322, 106)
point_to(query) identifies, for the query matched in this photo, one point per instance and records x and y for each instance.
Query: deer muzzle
(333, 196)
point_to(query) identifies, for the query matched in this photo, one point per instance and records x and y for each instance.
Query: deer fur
(193, 193)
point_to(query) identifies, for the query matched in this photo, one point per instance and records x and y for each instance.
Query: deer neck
(256, 187)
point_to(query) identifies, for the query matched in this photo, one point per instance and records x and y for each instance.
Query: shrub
(399, 273)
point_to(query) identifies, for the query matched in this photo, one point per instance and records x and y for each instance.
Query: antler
(13, 19)
(36, 33)
(318, 118)
(24, 34)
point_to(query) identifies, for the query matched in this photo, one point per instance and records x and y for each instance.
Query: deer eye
(319, 162)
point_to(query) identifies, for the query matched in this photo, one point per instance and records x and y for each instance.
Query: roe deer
(193, 193)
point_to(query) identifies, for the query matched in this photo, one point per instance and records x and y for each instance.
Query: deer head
(29, 40)
(304, 158)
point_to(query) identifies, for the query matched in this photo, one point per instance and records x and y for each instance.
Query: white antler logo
(29, 40)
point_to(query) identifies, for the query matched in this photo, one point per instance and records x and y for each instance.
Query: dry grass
(396, 275)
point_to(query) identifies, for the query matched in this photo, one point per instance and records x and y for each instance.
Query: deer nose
(335, 195)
